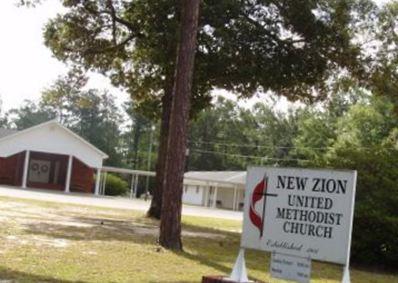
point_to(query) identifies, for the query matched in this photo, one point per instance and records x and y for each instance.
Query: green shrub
(375, 239)
(375, 230)
(115, 186)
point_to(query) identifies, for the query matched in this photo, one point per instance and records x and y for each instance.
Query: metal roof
(128, 171)
(14, 133)
(222, 177)
(52, 137)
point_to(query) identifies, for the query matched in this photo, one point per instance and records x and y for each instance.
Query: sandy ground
(111, 202)
(22, 216)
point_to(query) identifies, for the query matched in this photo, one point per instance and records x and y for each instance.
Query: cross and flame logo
(259, 193)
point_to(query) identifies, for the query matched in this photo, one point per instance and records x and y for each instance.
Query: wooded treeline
(351, 130)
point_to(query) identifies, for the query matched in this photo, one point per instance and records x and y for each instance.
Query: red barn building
(49, 156)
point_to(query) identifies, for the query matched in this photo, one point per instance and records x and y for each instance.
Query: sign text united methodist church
(300, 212)
(310, 215)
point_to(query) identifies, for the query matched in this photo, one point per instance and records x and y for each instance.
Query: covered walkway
(223, 189)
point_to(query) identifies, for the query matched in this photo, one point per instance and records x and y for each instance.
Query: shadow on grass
(218, 254)
(168, 281)
(221, 255)
(91, 229)
(9, 275)
(79, 228)
(207, 252)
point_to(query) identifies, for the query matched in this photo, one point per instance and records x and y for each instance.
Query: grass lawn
(50, 242)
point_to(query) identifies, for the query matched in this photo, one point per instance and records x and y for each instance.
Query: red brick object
(82, 179)
(219, 279)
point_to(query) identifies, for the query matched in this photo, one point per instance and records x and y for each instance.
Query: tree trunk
(170, 224)
(156, 203)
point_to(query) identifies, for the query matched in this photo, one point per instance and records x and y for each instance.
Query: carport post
(132, 185)
(135, 185)
(97, 182)
(215, 195)
(103, 188)
(207, 194)
(25, 169)
(234, 203)
(68, 174)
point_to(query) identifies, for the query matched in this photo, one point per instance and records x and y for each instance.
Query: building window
(197, 189)
(185, 189)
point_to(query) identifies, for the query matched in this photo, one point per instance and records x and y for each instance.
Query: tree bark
(156, 203)
(170, 224)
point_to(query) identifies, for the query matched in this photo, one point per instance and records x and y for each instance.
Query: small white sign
(291, 268)
(300, 212)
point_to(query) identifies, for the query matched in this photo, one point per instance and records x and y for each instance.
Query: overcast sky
(26, 65)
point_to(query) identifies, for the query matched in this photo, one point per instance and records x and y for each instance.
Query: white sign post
(306, 213)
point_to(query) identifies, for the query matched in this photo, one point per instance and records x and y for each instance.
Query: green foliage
(375, 239)
(95, 116)
(137, 138)
(315, 134)
(115, 186)
(376, 214)
(351, 131)
(90, 113)
(29, 114)
(290, 47)
(3, 117)
(228, 137)
(362, 138)
(243, 46)
(382, 60)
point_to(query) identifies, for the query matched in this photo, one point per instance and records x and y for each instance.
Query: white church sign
(300, 212)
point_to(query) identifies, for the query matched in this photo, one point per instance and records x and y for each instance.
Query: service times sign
(300, 212)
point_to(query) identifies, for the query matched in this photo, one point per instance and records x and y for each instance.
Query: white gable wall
(197, 195)
(51, 138)
(226, 197)
(193, 194)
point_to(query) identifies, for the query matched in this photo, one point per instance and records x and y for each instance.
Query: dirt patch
(58, 227)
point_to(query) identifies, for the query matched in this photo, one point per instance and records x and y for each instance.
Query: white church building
(217, 189)
(50, 156)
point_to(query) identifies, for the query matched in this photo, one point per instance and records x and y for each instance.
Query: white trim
(103, 154)
(25, 169)
(240, 174)
(133, 185)
(221, 177)
(127, 171)
(103, 188)
(68, 174)
(346, 272)
(235, 195)
(97, 182)
(136, 185)
(215, 197)
(227, 184)
(207, 194)
(200, 181)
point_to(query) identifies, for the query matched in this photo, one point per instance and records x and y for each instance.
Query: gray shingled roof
(6, 132)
